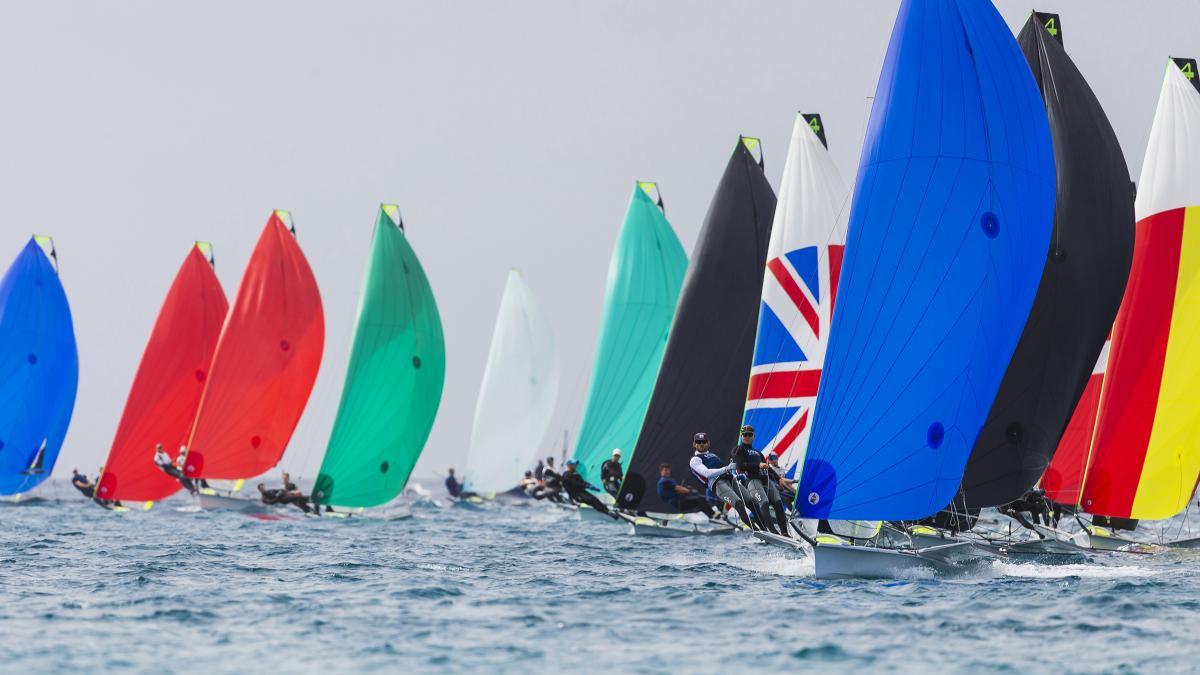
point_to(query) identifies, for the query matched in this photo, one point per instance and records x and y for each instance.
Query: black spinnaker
(701, 385)
(1091, 249)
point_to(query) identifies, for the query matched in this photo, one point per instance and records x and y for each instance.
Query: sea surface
(523, 589)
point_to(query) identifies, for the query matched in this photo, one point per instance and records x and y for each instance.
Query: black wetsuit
(610, 476)
(551, 487)
(577, 489)
(453, 487)
(776, 498)
(291, 495)
(174, 472)
(1033, 503)
(80, 482)
(754, 485)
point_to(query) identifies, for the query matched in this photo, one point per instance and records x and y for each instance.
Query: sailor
(165, 464)
(82, 483)
(716, 477)
(549, 483)
(1032, 503)
(452, 485)
(577, 488)
(685, 500)
(292, 494)
(611, 473)
(750, 469)
(780, 492)
(271, 496)
(528, 483)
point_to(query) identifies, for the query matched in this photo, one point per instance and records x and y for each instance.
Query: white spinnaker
(1173, 152)
(518, 394)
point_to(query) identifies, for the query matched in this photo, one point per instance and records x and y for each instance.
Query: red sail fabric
(167, 387)
(265, 364)
(1064, 477)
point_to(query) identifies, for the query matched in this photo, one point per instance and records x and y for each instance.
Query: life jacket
(710, 461)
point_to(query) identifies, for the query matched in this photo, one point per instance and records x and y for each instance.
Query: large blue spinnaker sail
(39, 370)
(949, 229)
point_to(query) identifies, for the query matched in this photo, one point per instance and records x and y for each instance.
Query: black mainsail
(701, 385)
(1091, 249)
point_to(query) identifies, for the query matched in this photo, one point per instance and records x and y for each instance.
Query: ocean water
(502, 589)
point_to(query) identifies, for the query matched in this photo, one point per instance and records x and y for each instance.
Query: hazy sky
(510, 134)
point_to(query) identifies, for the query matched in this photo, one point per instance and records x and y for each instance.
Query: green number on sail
(1188, 72)
(815, 125)
(1052, 27)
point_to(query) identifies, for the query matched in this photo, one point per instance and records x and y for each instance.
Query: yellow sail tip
(393, 212)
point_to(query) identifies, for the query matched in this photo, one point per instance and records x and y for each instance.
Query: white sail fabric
(1173, 152)
(518, 394)
(804, 261)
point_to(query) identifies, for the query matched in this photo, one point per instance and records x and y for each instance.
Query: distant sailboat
(518, 394)
(701, 385)
(949, 228)
(394, 380)
(170, 379)
(39, 367)
(1145, 452)
(804, 262)
(264, 366)
(1081, 287)
(644, 277)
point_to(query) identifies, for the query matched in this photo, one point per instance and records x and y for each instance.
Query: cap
(616, 451)
(572, 462)
(700, 437)
(772, 455)
(747, 429)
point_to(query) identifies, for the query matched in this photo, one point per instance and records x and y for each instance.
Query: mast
(39, 367)
(1081, 287)
(949, 228)
(518, 394)
(170, 379)
(1145, 454)
(644, 277)
(394, 378)
(804, 261)
(701, 384)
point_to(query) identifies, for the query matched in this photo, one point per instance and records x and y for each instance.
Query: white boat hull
(843, 561)
(219, 502)
(782, 542)
(1104, 542)
(587, 513)
(675, 527)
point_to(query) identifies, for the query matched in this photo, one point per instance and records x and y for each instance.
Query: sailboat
(1080, 291)
(170, 379)
(39, 367)
(1144, 458)
(517, 396)
(644, 277)
(949, 227)
(263, 368)
(393, 384)
(701, 385)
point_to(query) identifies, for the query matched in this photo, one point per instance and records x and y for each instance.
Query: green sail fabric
(644, 278)
(394, 380)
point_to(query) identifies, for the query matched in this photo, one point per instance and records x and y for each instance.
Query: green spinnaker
(393, 382)
(644, 278)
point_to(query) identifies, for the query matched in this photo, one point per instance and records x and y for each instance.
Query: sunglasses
(701, 442)
(748, 435)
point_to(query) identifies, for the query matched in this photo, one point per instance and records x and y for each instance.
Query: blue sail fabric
(39, 370)
(949, 229)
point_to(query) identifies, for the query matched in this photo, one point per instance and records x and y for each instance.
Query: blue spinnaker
(39, 370)
(949, 230)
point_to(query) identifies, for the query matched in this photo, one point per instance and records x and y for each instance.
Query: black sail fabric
(701, 385)
(1091, 249)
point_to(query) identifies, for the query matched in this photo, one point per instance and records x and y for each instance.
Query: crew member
(84, 484)
(165, 464)
(716, 477)
(528, 483)
(550, 483)
(577, 488)
(683, 499)
(292, 494)
(751, 472)
(611, 473)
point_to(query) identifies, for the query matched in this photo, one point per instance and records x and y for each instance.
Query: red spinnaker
(169, 382)
(265, 364)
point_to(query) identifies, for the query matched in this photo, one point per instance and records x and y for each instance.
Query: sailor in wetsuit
(785, 485)
(293, 495)
(455, 488)
(577, 488)
(1032, 503)
(84, 484)
(611, 473)
(550, 486)
(684, 500)
(751, 472)
(716, 477)
(165, 464)
(528, 484)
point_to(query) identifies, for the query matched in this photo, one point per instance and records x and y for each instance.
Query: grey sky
(510, 134)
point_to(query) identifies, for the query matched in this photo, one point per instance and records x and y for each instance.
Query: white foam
(1084, 571)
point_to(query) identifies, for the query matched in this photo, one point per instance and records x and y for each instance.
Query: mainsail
(1081, 287)
(644, 277)
(1145, 454)
(265, 362)
(518, 394)
(701, 385)
(949, 228)
(804, 261)
(39, 368)
(166, 390)
(394, 379)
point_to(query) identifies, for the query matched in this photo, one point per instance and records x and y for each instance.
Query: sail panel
(949, 228)
(518, 394)
(1063, 481)
(1081, 287)
(265, 363)
(39, 370)
(644, 278)
(394, 379)
(804, 258)
(170, 379)
(701, 385)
